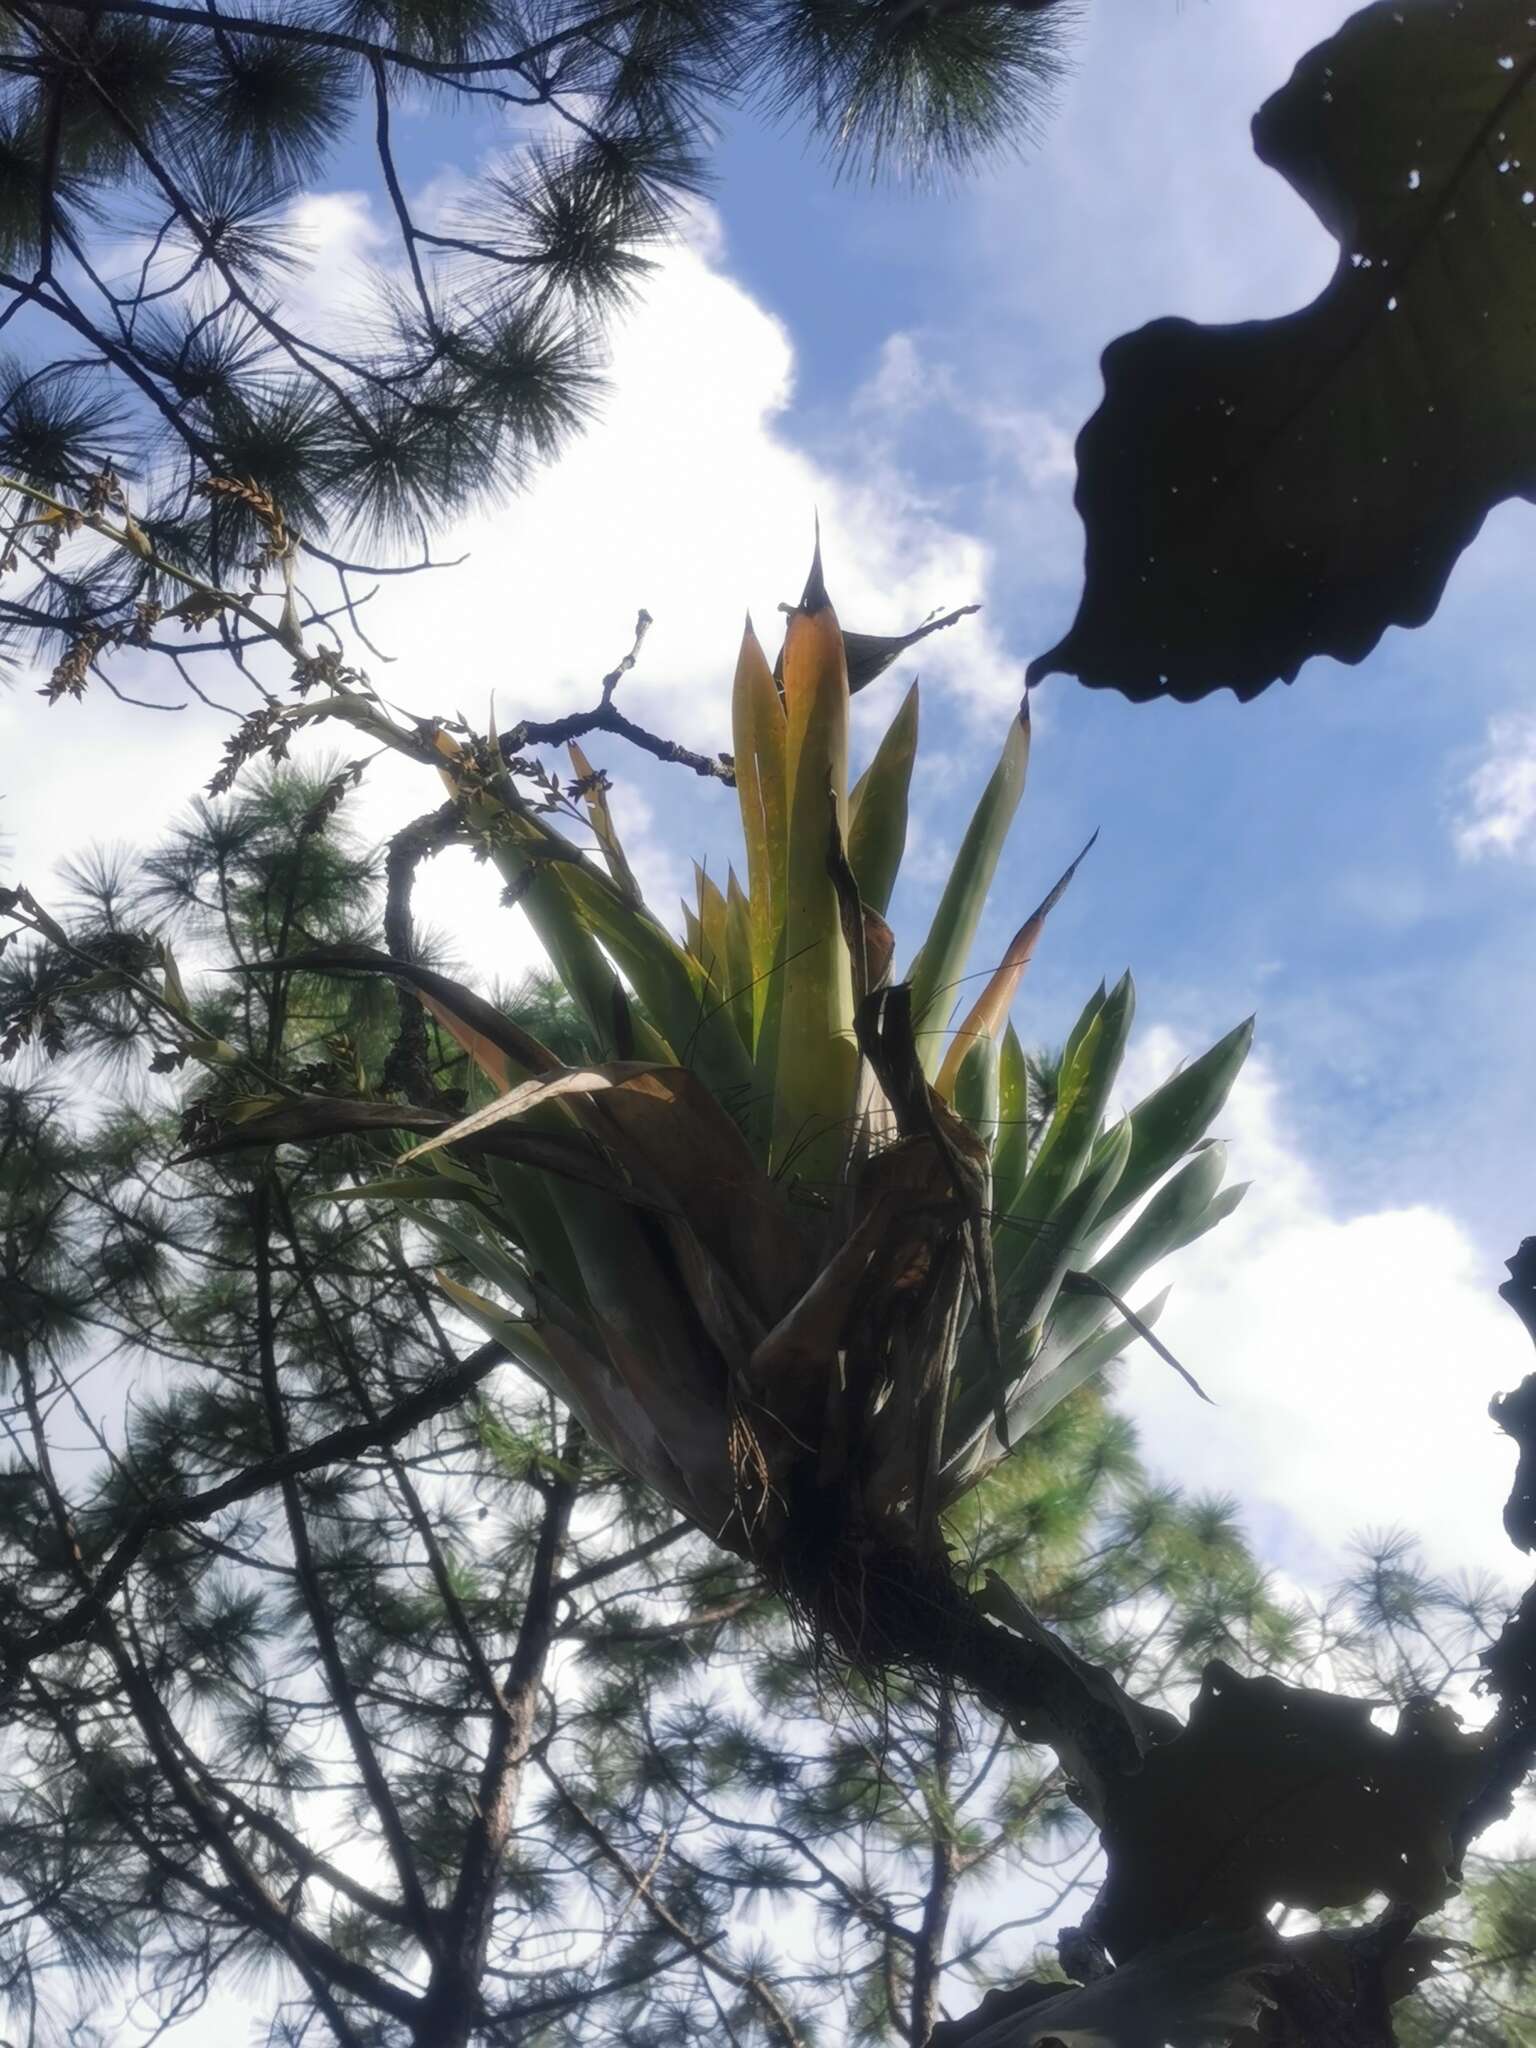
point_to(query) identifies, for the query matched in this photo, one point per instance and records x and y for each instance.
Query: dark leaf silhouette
(1282, 1794)
(1192, 1991)
(1255, 495)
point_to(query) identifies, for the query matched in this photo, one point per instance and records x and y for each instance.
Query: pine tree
(253, 1732)
(150, 159)
(1485, 1994)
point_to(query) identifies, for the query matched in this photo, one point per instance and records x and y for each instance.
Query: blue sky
(1346, 857)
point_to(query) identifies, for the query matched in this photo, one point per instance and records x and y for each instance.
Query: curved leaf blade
(877, 808)
(817, 1060)
(986, 1016)
(938, 968)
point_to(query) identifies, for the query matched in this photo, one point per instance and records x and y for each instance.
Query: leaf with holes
(1282, 1795)
(1258, 494)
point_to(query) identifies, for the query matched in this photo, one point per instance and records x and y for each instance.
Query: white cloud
(332, 227)
(1498, 810)
(683, 499)
(1352, 1356)
(907, 381)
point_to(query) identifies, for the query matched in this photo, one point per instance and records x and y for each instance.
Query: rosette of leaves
(785, 1247)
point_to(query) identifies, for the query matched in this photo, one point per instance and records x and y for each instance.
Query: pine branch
(339, 1447)
(453, 1998)
(777, 2021)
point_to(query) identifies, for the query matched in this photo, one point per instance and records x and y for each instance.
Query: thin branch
(777, 2020)
(340, 1447)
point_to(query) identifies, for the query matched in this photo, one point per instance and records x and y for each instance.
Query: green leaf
(1044, 1247)
(817, 1060)
(1037, 1253)
(1083, 1093)
(677, 994)
(937, 971)
(585, 1384)
(757, 733)
(539, 883)
(711, 902)
(978, 1089)
(684, 1159)
(1175, 1116)
(1049, 1385)
(1255, 495)
(740, 974)
(1189, 1204)
(1010, 1158)
(877, 808)
(527, 1213)
(1100, 1351)
(1089, 1011)
(486, 1257)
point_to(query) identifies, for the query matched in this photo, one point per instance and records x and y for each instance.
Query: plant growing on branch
(774, 1245)
(784, 1244)
(690, 1754)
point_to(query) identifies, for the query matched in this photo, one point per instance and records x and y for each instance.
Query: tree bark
(451, 2008)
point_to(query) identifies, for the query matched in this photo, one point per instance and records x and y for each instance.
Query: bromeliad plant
(785, 1247)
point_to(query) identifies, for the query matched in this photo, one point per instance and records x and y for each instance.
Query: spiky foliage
(789, 1245)
(153, 170)
(1485, 1996)
(252, 1725)
(812, 1144)
(923, 80)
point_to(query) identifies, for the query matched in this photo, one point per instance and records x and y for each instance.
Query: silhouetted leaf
(1258, 494)
(1282, 1794)
(1191, 1992)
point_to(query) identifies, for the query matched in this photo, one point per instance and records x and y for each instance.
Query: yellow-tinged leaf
(877, 808)
(245, 1107)
(989, 1012)
(490, 1059)
(596, 800)
(816, 1058)
(712, 921)
(758, 736)
(738, 960)
(213, 1052)
(174, 991)
(530, 1095)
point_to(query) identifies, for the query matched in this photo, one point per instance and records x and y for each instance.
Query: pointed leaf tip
(814, 597)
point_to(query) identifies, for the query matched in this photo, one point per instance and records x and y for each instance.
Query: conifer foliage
(347, 1679)
(152, 161)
